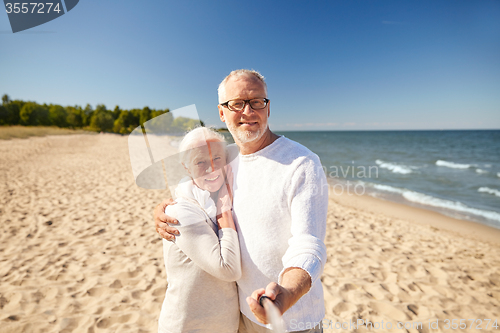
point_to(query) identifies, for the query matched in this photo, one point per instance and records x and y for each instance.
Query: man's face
(246, 125)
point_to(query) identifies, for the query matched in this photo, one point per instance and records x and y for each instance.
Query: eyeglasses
(239, 104)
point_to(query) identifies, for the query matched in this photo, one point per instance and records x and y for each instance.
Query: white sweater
(201, 268)
(280, 206)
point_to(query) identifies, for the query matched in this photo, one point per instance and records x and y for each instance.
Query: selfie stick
(273, 314)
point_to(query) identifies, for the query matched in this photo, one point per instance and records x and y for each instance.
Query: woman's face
(205, 165)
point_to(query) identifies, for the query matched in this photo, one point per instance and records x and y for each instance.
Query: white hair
(238, 73)
(195, 138)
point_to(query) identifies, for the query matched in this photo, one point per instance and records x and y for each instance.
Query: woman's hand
(225, 195)
(225, 202)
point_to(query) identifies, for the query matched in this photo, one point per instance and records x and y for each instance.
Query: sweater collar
(264, 150)
(187, 189)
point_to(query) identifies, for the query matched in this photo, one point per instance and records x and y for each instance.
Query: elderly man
(279, 206)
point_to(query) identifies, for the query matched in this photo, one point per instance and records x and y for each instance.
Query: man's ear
(268, 109)
(221, 113)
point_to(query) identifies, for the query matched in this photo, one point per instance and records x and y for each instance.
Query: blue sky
(329, 65)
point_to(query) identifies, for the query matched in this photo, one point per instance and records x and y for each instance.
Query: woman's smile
(211, 180)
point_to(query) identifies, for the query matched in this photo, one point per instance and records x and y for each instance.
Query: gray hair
(238, 73)
(195, 138)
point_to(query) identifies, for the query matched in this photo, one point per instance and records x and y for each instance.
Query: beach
(79, 252)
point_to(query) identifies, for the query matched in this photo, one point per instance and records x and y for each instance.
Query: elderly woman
(204, 261)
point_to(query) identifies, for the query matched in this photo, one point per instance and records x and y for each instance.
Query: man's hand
(161, 220)
(276, 293)
(295, 283)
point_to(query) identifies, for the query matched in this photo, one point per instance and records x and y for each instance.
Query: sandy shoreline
(464, 228)
(78, 250)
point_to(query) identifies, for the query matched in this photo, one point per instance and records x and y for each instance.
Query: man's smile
(247, 123)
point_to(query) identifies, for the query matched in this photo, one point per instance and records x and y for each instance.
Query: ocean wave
(388, 188)
(402, 169)
(453, 205)
(428, 200)
(489, 190)
(452, 165)
(498, 174)
(481, 171)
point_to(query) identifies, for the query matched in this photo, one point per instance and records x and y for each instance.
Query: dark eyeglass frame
(226, 104)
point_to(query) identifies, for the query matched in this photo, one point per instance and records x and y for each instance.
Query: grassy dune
(22, 132)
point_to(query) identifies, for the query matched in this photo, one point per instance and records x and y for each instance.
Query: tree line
(100, 119)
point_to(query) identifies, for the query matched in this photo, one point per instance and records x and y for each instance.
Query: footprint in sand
(445, 291)
(375, 291)
(389, 311)
(416, 271)
(120, 307)
(418, 310)
(344, 309)
(108, 321)
(49, 293)
(13, 318)
(3, 301)
(37, 297)
(137, 294)
(97, 291)
(69, 324)
(159, 291)
(116, 284)
(437, 275)
(12, 301)
(327, 281)
(348, 287)
(495, 279)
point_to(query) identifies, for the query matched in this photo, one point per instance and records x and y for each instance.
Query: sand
(23, 132)
(78, 250)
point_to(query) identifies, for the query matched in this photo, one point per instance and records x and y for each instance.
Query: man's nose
(210, 169)
(247, 109)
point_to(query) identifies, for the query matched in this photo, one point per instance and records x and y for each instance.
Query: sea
(454, 172)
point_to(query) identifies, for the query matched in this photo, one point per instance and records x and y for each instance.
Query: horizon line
(387, 130)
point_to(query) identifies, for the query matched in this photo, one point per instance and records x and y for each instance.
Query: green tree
(4, 115)
(33, 114)
(137, 114)
(161, 123)
(5, 99)
(125, 123)
(156, 113)
(102, 120)
(185, 124)
(87, 115)
(100, 107)
(10, 111)
(145, 115)
(14, 110)
(58, 115)
(74, 118)
(116, 112)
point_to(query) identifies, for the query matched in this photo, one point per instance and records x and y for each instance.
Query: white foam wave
(388, 188)
(498, 174)
(489, 190)
(452, 165)
(453, 205)
(428, 200)
(402, 169)
(480, 171)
